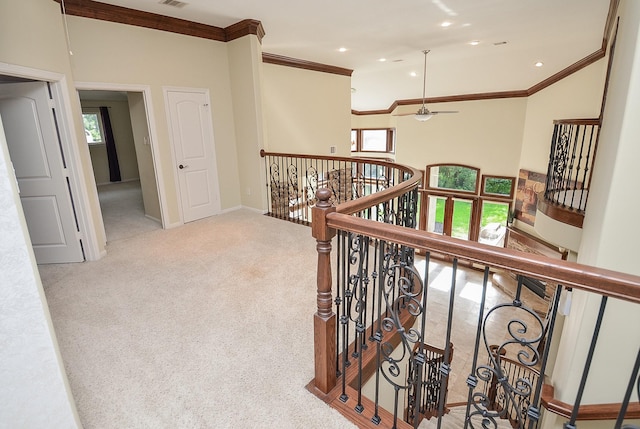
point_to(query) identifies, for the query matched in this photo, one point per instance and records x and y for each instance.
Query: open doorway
(117, 134)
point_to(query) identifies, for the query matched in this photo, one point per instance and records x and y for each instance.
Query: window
(497, 186)
(453, 177)
(456, 203)
(93, 130)
(380, 140)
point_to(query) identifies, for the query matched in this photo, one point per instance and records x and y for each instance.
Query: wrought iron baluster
(585, 181)
(361, 305)
(522, 338)
(339, 298)
(444, 367)
(571, 424)
(627, 396)
(344, 319)
(472, 380)
(550, 183)
(573, 143)
(419, 358)
(577, 175)
(533, 411)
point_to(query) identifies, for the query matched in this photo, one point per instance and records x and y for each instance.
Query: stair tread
(455, 420)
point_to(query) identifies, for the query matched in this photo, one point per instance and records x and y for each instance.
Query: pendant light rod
(424, 74)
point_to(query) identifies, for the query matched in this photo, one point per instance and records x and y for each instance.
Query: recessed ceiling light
(474, 42)
(413, 74)
(342, 49)
(382, 60)
(539, 64)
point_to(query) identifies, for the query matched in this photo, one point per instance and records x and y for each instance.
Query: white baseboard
(254, 209)
(153, 218)
(173, 225)
(229, 210)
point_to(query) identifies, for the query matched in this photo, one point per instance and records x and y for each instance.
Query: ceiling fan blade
(443, 111)
(404, 114)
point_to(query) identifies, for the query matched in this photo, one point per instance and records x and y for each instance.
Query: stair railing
(367, 327)
(292, 181)
(573, 150)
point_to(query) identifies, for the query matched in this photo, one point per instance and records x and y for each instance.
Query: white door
(192, 137)
(32, 138)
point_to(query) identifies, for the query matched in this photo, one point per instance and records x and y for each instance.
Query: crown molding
(122, 15)
(244, 28)
(303, 64)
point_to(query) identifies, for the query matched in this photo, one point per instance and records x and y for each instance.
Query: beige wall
(306, 111)
(123, 137)
(245, 65)
(578, 96)
(106, 52)
(144, 156)
(485, 134)
(608, 241)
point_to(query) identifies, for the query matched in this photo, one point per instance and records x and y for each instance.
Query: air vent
(173, 3)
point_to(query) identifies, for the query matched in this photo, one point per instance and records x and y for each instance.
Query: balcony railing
(293, 180)
(389, 302)
(573, 150)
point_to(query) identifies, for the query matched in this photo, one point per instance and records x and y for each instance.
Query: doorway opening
(118, 138)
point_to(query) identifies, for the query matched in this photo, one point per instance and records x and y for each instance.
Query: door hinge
(52, 104)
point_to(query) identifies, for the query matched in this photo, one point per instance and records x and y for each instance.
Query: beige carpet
(123, 210)
(204, 326)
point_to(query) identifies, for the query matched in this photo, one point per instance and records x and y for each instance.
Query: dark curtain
(110, 143)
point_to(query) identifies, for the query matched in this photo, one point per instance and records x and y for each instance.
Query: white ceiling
(556, 32)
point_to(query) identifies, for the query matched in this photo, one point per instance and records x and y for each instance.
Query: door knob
(182, 166)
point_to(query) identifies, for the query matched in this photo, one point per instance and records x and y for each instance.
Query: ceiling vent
(173, 3)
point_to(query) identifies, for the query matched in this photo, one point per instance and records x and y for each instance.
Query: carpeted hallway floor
(204, 326)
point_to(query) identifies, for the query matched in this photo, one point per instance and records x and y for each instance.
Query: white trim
(88, 227)
(253, 209)
(173, 225)
(62, 103)
(153, 218)
(153, 134)
(229, 210)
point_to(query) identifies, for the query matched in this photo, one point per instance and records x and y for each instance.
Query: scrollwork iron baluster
(525, 339)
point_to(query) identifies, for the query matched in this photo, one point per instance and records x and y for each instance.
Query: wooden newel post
(324, 321)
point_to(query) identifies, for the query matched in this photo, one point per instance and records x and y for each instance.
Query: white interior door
(32, 139)
(192, 138)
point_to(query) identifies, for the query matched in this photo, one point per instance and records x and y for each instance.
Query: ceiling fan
(424, 114)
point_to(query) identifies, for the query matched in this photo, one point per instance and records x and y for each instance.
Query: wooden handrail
(586, 412)
(569, 274)
(363, 203)
(376, 161)
(589, 121)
